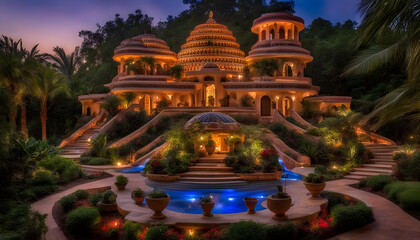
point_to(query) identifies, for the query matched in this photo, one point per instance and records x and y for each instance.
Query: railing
(117, 117)
(299, 119)
(79, 132)
(277, 117)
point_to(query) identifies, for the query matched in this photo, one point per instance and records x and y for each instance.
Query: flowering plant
(321, 223)
(314, 178)
(269, 160)
(268, 153)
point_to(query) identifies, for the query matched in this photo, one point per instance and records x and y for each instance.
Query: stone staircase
(75, 149)
(210, 170)
(382, 163)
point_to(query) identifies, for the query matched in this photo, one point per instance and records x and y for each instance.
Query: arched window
(272, 34)
(263, 35)
(210, 95)
(282, 33)
(287, 70)
(88, 112)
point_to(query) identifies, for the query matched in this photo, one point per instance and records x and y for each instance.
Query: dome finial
(211, 14)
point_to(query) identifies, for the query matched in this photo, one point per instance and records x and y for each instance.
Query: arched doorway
(265, 106)
(210, 95)
(88, 112)
(282, 33)
(287, 105)
(288, 70)
(271, 34)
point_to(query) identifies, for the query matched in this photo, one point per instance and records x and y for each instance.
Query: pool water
(186, 199)
(227, 200)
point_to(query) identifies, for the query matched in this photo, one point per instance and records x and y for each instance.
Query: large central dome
(211, 42)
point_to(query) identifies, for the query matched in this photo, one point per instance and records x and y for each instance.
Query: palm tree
(16, 70)
(176, 71)
(47, 84)
(149, 61)
(65, 64)
(265, 67)
(127, 98)
(379, 17)
(137, 67)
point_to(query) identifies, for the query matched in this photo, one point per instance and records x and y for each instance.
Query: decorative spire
(210, 20)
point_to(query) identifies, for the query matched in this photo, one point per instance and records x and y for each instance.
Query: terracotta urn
(121, 187)
(250, 203)
(207, 207)
(210, 150)
(107, 207)
(157, 205)
(279, 206)
(139, 200)
(315, 188)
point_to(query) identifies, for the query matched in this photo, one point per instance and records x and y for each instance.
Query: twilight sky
(58, 22)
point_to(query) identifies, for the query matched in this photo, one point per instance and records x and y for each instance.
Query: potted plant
(207, 204)
(315, 183)
(121, 181)
(138, 195)
(250, 203)
(157, 201)
(108, 202)
(279, 203)
(210, 146)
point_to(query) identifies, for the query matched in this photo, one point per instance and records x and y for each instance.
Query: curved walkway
(391, 222)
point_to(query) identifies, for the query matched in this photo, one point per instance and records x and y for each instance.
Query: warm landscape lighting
(191, 232)
(119, 164)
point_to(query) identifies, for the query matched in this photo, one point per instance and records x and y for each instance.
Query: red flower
(156, 163)
(269, 152)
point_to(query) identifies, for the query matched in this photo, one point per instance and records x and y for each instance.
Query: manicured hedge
(246, 230)
(350, 217)
(285, 230)
(377, 183)
(155, 233)
(131, 230)
(410, 199)
(82, 221)
(67, 202)
(81, 194)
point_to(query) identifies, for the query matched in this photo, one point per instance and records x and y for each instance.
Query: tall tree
(47, 84)
(176, 71)
(150, 62)
(379, 18)
(265, 67)
(66, 64)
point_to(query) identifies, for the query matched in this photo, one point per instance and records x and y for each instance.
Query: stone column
(267, 33)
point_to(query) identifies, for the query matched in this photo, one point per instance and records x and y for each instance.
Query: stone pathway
(391, 222)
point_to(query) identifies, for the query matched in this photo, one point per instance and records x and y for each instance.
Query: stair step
(369, 174)
(206, 168)
(208, 174)
(210, 164)
(386, 166)
(385, 162)
(354, 177)
(221, 183)
(384, 154)
(210, 179)
(208, 160)
(374, 170)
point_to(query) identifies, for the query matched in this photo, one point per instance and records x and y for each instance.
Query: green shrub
(246, 230)
(121, 180)
(98, 146)
(377, 183)
(314, 178)
(246, 119)
(131, 230)
(320, 169)
(42, 177)
(94, 161)
(64, 167)
(41, 190)
(138, 192)
(67, 202)
(156, 232)
(95, 198)
(81, 194)
(71, 173)
(334, 199)
(350, 217)
(109, 197)
(155, 193)
(285, 230)
(395, 188)
(246, 101)
(82, 221)
(410, 199)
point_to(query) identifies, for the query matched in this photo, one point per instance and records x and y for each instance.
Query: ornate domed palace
(216, 71)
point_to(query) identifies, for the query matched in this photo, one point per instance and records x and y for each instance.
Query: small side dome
(143, 45)
(214, 121)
